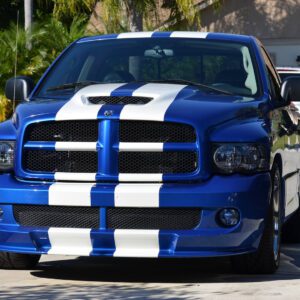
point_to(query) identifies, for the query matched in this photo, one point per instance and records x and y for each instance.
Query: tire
(291, 230)
(17, 261)
(266, 259)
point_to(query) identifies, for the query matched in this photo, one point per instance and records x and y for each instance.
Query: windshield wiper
(196, 84)
(72, 85)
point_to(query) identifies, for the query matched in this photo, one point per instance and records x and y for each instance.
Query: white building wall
(283, 52)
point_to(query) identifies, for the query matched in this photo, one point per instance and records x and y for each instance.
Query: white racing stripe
(153, 147)
(134, 35)
(124, 177)
(70, 194)
(75, 146)
(70, 241)
(137, 195)
(189, 34)
(78, 108)
(163, 95)
(75, 176)
(136, 243)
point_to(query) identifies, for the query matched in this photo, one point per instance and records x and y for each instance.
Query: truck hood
(170, 102)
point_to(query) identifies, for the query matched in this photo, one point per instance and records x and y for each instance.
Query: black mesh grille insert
(119, 100)
(61, 161)
(153, 218)
(157, 162)
(57, 216)
(156, 132)
(65, 131)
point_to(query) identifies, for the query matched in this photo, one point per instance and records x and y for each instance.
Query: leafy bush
(48, 39)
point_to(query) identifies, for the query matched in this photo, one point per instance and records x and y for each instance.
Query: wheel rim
(276, 219)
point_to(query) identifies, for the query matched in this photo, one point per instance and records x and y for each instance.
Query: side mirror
(290, 89)
(19, 88)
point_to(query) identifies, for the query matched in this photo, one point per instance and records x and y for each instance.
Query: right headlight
(6, 155)
(240, 158)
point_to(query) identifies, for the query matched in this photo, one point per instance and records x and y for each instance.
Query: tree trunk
(135, 16)
(28, 10)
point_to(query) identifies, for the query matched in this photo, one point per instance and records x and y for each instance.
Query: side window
(273, 78)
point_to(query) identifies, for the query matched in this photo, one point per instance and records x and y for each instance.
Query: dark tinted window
(224, 65)
(286, 75)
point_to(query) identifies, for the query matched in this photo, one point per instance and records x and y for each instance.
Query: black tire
(17, 261)
(266, 259)
(291, 229)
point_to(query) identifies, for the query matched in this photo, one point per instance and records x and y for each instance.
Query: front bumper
(248, 194)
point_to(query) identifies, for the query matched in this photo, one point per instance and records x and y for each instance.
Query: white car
(285, 72)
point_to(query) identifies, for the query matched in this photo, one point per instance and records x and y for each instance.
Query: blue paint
(161, 34)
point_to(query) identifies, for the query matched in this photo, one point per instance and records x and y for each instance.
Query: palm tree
(48, 39)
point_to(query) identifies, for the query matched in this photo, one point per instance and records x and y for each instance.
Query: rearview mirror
(19, 88)
(157, 52)
(290, 89)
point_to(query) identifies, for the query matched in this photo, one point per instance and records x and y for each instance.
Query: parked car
(285, 72)
(163, 144)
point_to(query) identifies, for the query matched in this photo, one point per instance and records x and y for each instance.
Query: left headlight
(240, 158)
(6, 155)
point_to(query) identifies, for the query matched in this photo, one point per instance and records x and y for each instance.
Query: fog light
(1, 213)
(229, 217)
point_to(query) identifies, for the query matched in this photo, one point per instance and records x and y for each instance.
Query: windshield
(223, 66)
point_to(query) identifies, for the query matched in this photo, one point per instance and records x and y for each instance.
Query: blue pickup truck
(152, 144)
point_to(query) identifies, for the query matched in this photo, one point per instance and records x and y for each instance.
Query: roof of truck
(169, 34)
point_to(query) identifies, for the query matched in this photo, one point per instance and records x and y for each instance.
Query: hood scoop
(123, 100)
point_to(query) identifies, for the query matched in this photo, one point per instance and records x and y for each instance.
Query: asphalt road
(64, 277)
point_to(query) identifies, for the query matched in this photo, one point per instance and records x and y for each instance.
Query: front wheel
(266, 259)
(18, 261)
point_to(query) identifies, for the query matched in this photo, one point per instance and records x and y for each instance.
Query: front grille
(39, 160)
(157, 162)
(119, 100)
(64, 161)
(153, 218)
(63, 131)
(57, 216)
(156, 132)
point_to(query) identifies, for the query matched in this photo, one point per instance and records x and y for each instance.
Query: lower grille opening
(153, 218)
(116, 217)
(57, 216)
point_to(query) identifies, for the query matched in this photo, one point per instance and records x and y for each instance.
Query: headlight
(6, 155)
(243, 158)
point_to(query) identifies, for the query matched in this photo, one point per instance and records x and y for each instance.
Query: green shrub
(48, 39)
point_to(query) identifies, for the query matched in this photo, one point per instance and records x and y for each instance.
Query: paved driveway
(62, 277)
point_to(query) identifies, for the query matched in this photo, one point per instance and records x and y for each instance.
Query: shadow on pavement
(163, 270)
(106, 278)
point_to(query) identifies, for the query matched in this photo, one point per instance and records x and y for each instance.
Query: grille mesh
(57, 216)
(119, 100)
(168, 162)
(157, 162)
(62, 161)
(153, 218)
(156, 132)
(65, 131)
